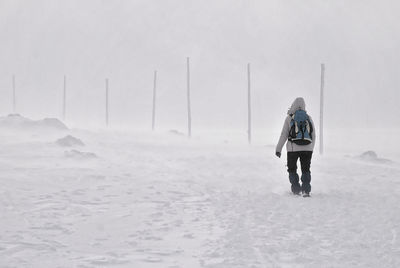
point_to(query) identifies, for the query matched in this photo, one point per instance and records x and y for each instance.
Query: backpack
(300, 128)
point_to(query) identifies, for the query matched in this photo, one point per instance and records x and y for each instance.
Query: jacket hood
(298, 104)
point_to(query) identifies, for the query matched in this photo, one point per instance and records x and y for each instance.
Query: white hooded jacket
(298, 104)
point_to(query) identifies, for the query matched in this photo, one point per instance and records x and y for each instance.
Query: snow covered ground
(124, 199)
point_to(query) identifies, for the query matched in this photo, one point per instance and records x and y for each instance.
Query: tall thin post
(188, 99)
(248, 103)
(107, 102)
(321, 111)
(154, 101)
(65, 98)
(14, 95)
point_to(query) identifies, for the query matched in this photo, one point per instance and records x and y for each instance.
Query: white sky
(285, 41)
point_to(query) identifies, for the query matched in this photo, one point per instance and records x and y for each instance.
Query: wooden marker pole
(14, 95)
(65, 98)
(188, 99)
(248, 104)
(154, 101)
(321, 111)
(107, 103)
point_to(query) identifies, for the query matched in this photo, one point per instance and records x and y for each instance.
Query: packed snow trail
(162, 201)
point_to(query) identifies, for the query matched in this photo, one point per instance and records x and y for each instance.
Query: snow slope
(160, 200)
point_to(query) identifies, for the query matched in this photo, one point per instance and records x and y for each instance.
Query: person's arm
(284, 136)
(313, 134)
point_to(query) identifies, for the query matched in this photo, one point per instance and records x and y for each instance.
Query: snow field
(159, 200)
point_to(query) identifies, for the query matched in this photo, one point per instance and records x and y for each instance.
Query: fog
(79, 193)
(125, 41)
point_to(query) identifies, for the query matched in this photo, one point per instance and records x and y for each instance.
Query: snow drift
(69, 141)
(18, 122)
(371, 156)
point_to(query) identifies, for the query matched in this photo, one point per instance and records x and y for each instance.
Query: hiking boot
(296, 189)
(306, 186)
(294, 181)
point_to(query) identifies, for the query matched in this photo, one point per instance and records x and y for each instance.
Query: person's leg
(305, 162)
(292, 169)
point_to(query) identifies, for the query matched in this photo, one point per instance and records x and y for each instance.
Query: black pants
(305, 161)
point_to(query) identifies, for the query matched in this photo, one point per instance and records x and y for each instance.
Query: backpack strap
(292, 129)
